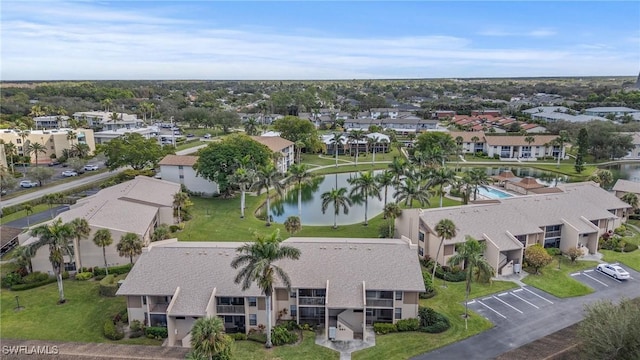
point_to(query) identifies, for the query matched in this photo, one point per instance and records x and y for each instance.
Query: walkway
(345, 348)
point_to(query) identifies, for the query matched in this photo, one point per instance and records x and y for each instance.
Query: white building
(103, 119)
(179, 169)
(108, 135)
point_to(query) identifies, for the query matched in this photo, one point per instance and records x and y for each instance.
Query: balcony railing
(159, 308)
(380, 302)
(311, 300)
(230, 309)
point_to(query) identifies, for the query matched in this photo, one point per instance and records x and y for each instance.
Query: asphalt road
(37, 217)
(508, 335)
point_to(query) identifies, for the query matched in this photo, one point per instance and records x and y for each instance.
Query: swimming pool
(492, 193)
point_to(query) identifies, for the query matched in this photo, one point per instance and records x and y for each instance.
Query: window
(180, 167)
(420, 251)
(253, 301)
(53, 147)
(293, 310)
(18, 141)
(293, 294)
(181, 176)
(398, 295)
(180, 317)
(70, 266)
(421, 236)
(253, 319)
(144, 300)
(398, 313)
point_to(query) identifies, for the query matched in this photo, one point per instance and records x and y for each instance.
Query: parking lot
(600, 281)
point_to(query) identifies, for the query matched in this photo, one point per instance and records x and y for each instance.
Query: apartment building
(106, 120)
(179, 169)
(279, 145)
(341, 285)
(54, 141)
(509, 146)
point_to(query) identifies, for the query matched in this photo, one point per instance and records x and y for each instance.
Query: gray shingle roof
(627, 186)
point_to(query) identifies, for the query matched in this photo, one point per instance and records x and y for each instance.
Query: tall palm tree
(435, 156)
(373, 142)
(366, 186)
(397, 168)
(11, 152)
(336, 141)
(269, 177)
(80, 150)
(103, 239)
(28, 210)
(339, 199)
(470, 254)
(71, 136)
(244, 178)
(35, 149)
(385, 179)
(180, 202)
(130, 245)
(251, 127)
(56, 236)
(257, 262)
(81, 230)
(441, 177)
(478, 177)
(563, 137)
(107, 104)
(411, 189)
(301, 176)
(209, 340)
(299, 145)
(446, 230)
(356, 136)
(391, 211)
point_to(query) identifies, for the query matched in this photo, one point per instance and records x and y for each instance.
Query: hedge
(114, 270)
(84, 276)
(111, 331)
(108, 286)
(238, 336)
(20, 287)
(280, 335)
(257, 337)
(156, 332)
(384, 328)
(431, 321)
(408, 324)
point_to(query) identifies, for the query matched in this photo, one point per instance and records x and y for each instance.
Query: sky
(316, 40)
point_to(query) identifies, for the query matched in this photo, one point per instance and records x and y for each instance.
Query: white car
(69, 173)
(28, 184)
(613, 270)
(91, 167)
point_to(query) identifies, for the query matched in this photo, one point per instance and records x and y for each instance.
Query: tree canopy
(218, 161)
(435, 139)
(132, 149)
(295, 129)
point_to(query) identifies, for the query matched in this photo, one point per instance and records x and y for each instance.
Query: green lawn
(316, 159)
(449, 301)
(351, 168)
(558, 282)
(307, 350)
(190, 144)
(81, 318)
(631, 259)
(22, 213)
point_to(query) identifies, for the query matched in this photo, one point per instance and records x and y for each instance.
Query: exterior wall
(187, 176)
(569, 237)
(409, 305)
(492, 254)
(135, 309)
(178, 329)
(407, 224)
(55, 141)
(165, 216)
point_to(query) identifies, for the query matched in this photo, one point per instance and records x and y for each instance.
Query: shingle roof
(468, 135)
(627, 186)
(8, 233)
(274, 143)
(177, 160)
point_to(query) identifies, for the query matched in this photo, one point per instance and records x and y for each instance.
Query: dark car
(54, 163)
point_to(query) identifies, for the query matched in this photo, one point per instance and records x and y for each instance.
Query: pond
(544, 177)
(629, 172)
(312, 203)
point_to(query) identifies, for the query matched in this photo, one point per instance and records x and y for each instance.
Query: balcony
(311, 300)
(230, 309)
(379, 302)
(159, 308)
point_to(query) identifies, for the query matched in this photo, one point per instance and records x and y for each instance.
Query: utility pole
(173, 134)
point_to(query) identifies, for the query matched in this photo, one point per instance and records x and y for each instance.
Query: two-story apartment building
(509, 146)
(54, 141)
(105, 120)
(281, 146)
(179, 169)
(341, 285)
(575, 217)
(51, 121)
(136, 206)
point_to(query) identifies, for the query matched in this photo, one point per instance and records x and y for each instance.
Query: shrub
(445, 273)
(174, 228)
(496, 156)
(115, 270)
(384, 328)
(408, 324)
(136, 325)
(111, 332)
(238, 336)
(630, 247)
(430, 290)
(11, 279)
(620, 230)
(431, 321)
(108, 286)
(553, 251)
(99, 277)
(65, 275)
(35, 277)
(281, 336)
(157, 332)
(574, 253)
(84, 276)
(257, 337)
(20, 287)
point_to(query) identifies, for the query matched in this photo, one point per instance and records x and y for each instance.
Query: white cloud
(500, 32)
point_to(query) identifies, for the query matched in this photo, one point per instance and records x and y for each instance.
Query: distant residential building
(104, 120)
(377, 113)
(54, 141)
(179, 169)
(51, 122)
(509, 146)
(617, 111)
(8, 238)
(103, 137)
(281, 146)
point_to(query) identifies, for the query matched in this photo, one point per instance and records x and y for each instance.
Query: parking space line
(574, 274)
(525, 300)
(547, 300)
(594, 279)
(509, 305)
(487, 298)
(503, 294)
(587, 271)
(471, 302)
(517, 290)
(610, 277)
(483, 304)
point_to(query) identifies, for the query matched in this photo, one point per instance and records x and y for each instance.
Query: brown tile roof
(529, 183)
(468, 135)
(275, 143)
(519, 140)
(184, 160)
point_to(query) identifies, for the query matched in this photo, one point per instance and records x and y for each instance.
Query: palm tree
(35, 149)
(292, 224)
(411, 189)
(81, 230)
(373, 142)
(22, 255)
(268, 177)
(180, 202)
(113, 118)
(631, 199)
(446, 230)
(441, 177)
(244, 178)
(385, 179)
(339, 199)
(299, 145)
(336, 140)
(103, 239)
(209, 340)
(397, 167)
(365, 185)
(602, 176)
(251, 127)
(301, 175)
(130, 245)
(28, 210)
(36, 111)
(391, 211)
(107, 104)
(71, 136)
(80, 150)
(435, 156)
(11, 152)
(563, 137)
(356, 136)
(161, 232)
(257, 261)
(57, 236)
(477, 177)
(470, 254)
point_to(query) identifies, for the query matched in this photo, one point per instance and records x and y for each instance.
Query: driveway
(37, 217)
(520, 323)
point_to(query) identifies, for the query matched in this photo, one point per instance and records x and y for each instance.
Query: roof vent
(187, 253)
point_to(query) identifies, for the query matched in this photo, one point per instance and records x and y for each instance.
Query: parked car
(91, 167)
(190, 135)
(613, 270)
(54, 163)
(28, 184)
(207, 136)
(68, 173)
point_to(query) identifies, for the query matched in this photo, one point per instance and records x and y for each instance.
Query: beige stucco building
(340, 285)
(575, 217)
(54, 141)
(137, 206)
(179, 169)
